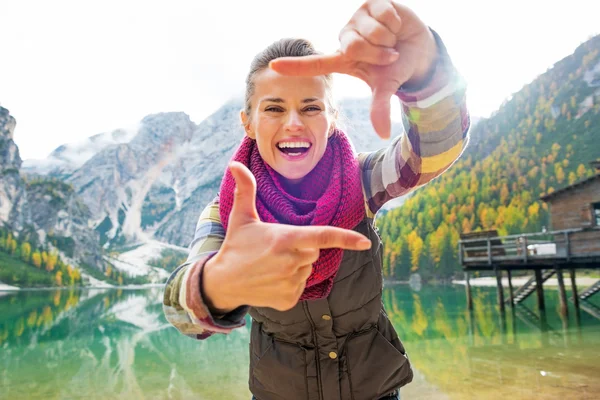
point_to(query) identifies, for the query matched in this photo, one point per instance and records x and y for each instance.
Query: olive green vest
(342, 347)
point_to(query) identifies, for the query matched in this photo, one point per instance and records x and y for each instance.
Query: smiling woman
(290, 238)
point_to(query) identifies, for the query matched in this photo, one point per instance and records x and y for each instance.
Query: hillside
(540, 140)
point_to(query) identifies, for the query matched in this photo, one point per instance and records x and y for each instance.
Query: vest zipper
(314, 335)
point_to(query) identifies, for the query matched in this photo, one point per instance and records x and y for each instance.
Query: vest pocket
(282, 370)
(375, 367)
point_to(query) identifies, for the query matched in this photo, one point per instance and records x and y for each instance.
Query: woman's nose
(293, 122)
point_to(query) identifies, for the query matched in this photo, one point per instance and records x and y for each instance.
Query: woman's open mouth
(294, 151)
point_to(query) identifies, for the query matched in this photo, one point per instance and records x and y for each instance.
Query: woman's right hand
(265, 264)
(385, 44)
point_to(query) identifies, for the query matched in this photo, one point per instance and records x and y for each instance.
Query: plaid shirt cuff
(439, 83)
(197, 308)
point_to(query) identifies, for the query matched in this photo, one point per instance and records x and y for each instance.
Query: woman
(290, 238)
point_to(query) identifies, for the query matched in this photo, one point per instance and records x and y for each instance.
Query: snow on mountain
(136, 262)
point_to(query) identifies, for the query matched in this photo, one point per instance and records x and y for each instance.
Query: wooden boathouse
(573, 242)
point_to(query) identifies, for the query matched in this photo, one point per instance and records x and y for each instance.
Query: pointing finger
(329, 237)
(310, 65)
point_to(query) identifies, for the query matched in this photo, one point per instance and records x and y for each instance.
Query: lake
(116, 344)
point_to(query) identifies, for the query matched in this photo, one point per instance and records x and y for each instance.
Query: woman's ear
(246, 123)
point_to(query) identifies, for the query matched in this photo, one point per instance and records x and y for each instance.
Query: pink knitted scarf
(331, 194)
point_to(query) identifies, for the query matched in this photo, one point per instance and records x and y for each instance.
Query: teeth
(293, 145)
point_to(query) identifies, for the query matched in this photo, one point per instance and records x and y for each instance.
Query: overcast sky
(71, 69)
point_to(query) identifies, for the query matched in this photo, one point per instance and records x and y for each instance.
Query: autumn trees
(62, 274)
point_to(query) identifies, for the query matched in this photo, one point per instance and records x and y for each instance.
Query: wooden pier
(545, 254)
(573, 244)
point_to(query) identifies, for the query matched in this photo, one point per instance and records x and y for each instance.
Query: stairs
(589, 292)
(530, 286)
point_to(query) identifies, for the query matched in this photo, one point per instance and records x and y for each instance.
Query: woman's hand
(263, 264)
(385, 44)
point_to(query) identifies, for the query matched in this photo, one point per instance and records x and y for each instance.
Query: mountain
(41, 217)
(12, 187)
(541, 139)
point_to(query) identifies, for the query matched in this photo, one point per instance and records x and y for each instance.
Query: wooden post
(575, 294)
(564, 309)
(568, 246)
(468, 288)
(489, 250)
(500, 289)
(510, 289)
(540, 290)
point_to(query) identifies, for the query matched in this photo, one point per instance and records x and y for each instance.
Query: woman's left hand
(385, 44)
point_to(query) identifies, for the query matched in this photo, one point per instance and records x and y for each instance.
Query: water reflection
(116, 344)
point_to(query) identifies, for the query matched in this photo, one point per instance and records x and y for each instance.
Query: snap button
(333, 355)
(326, 317)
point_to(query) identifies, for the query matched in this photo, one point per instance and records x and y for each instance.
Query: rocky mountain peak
(7, 124)
(9, 152)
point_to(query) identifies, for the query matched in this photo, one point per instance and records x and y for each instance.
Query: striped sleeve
(183, 304)
(436, 125)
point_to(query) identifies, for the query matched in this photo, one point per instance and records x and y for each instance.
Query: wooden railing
(522, 248)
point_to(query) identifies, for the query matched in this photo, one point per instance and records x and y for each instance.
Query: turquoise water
(116, 344)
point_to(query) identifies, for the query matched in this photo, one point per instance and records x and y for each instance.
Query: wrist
(214, 288)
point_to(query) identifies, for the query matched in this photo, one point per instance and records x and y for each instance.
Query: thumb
(244, 198)
(380, 112)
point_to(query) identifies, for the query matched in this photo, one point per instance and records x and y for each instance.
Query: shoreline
(487, 281)
(582, 281)
(8, 288)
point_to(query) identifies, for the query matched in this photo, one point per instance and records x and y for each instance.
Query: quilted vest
(342, 347)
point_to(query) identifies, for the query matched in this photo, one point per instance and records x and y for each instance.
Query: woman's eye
(312, 109)
(273, 109)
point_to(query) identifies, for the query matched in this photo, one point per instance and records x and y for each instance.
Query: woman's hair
(287, 47)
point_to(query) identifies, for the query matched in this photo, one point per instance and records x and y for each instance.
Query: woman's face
(289, 121)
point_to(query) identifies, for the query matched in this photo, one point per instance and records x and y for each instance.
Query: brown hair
(287, 47)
